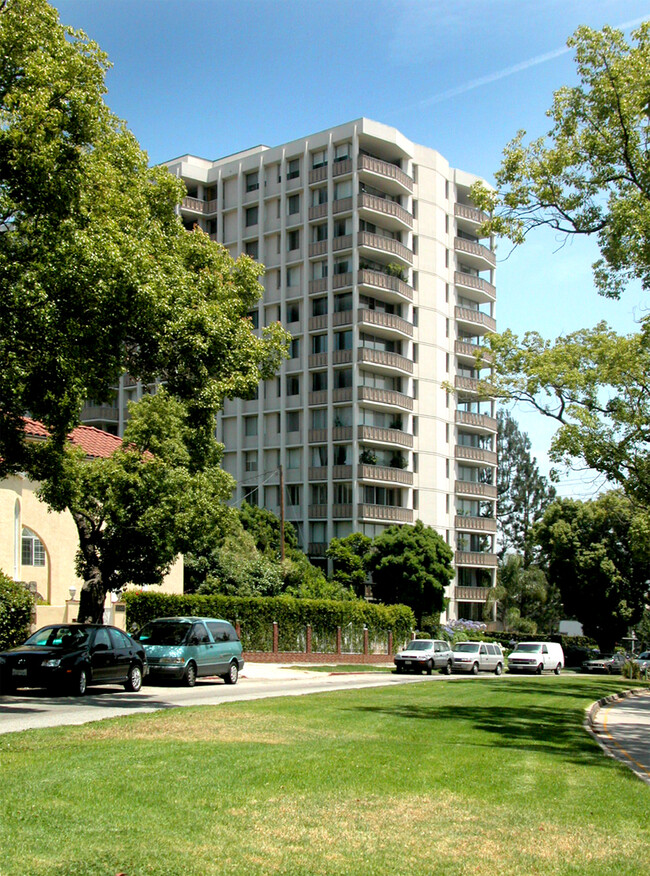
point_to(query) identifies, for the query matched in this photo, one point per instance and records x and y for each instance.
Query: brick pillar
(308, 647)
(275, 637)
(339, 641)
(366, 649)
(390, 642)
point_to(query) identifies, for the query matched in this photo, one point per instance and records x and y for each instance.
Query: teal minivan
(185, 648)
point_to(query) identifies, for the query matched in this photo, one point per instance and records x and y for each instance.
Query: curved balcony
(376, 243)
(398, 290)
(475, 254)
(471, 594)
(385, 512)
(473, 353)
(480, 290)
(474, 489)
(388, 361)
(385, 473)
(467, 384)
(378, 435)
(380, 320)
(477, 421)
(385, 397)
(471, 558)
(392, 176)
(475, 524)
(479, 321)
(475, 454)
(394, 216)
(470, 217)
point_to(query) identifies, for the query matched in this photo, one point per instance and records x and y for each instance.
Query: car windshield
(418, 645)
(59, 637)
(470, 647)
(164, 633)
(528, 648)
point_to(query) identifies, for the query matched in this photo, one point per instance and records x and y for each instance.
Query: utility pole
(281, 513)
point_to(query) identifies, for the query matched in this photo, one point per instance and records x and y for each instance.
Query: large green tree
(598, 555)
(411, 565)
(526, 602)
(350, 556)
(97, 274)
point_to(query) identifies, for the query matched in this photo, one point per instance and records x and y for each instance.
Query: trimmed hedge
(16, 606)
(257, 614)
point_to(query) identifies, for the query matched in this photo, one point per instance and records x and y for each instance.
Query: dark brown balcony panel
(385, 320)
(342, 357)
(472, 488)
(475, 249)
(108, 413)
(318, 436)
(385, 473)
(343, 394)
(318, 174)
(342, 317)
(467, 384)
(462, 211)
(317, 549)
(386, 169)
(318, 511)
(316, 286)
(341, 511)
(318, 211)
(342, 433)
(385, 512)
(481, 421)
(318, 398)
(469, 281)
(317, 360)
(471, 594)
(342, 472)
(385, 397)
(194, 204)
(476, 524)
(318, 248)
(343, 242)
(385, 244)
(470, 558)
(317, 323)
(378, 280)
(340, 281)
(466, 314)
(386, 207)
(318, 472)
(390, 360)
(475, 454)
(385, 436)
(473, 351)
(341, 167)
(342, 205)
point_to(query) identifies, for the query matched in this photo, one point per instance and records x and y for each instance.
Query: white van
(536, 657)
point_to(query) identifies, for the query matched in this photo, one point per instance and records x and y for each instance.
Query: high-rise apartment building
(374, 265)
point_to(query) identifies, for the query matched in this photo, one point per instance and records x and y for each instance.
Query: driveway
(623, 726)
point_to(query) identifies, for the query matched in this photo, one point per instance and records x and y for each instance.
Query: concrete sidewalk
(622, 727)
(279, 671)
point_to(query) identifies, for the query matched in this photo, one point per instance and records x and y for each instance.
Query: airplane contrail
(510, 71)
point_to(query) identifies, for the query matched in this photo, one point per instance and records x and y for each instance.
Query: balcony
(318, 323)
(389, 246)
(341, 511)
(470, 214)
(479, 421)
(339, 168)
(318, 248)
(342, 357)
(467, 384)
(343, 205)
(471, 594)
(472, 558)
(339, 472)
(341, 281)
(318, 174)
(475, 254)
(318, 511)
(318, 211)
(385, 282)
(379, 319)
(382, 359)
(318, 398)
(318, 472)
(317, 360)
(395, 215)
(475, 454)
(480, 289)
(106, 413)
(316, 286)
(342, 317)
(475, 524)
(196, 205)
(387, 397)
(387, 171)
(475, 352)
(385, 473)
(317, 549)
(475, 489)
(385, 512)
(476, 318)
(342, 242)
(379, 435)
(342, 394)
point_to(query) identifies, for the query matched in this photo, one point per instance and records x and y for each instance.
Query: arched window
(33, 552)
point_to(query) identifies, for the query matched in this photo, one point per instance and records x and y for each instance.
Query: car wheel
(398, 669)
(133, 681)
(475, 669)
(498, 669)
(558, 669)
(540, 669)
(232, 676)
(80, 683)
(189, 679)
(429, 667)
(447, 669)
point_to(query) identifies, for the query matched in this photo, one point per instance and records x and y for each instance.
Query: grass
(489, 778)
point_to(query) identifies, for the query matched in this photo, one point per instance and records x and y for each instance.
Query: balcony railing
(476, 524)
(341, 167)
(381, 357)
(340, 281)
(317, 248)
(318, 211)
(317, 360)
(462, 211)
(483, 421)
(471, 558)
(473, 488)
(318, 510)
(318, 472)
(476, 317)
(470, 281)
(467, 384)
(317, 549)
(475, 454)
(342, 205)
(385, 397)
(385, 169)
(318, 174)
(385, 320)
(318, 398)
(475, 249)
(317, 323)
(100, 412)
(378, 280)
(471, 594)
(342, 317)
(385, 244)
(342, 242)
(342, 394)
(474, 351)
(342, 472)
(341, 511)
(319, 285)
(386, 207)
(385, 512)
(385, 436)
(385, 473)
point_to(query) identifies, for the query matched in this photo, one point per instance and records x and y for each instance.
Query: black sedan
(70, 657)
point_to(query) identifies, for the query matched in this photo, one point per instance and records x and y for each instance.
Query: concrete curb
(589, 725)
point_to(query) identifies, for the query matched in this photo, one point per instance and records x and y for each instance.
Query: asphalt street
(623, 726)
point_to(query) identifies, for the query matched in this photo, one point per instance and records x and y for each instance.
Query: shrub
(16, 606)
(631, 670)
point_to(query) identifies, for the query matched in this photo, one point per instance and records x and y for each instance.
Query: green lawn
(489, 777)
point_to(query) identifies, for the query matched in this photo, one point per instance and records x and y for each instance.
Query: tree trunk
(91, 599)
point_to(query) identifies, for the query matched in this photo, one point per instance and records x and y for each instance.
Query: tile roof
(94, 442)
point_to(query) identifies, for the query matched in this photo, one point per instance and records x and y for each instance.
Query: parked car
(185, 648)
(424, 655)
(643, 661)
(71, 657)
(536, 657)
(477, 657)
(610, 663)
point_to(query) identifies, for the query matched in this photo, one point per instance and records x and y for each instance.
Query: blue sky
(211, 77)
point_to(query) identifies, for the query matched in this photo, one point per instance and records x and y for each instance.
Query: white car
(477, 657)
(643, 660)
(537, 657)
(422, 655)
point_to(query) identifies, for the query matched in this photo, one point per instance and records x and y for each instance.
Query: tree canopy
(97, 274)
(349, 556)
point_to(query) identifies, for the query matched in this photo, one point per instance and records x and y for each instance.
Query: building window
(294, 348)
(319, 456)
(319, 159)
(254, 317)
(292, 421)
(293, 386)
(319, 494)
(250, 426)
(319, 344)
(252, 249)
(343, 190)
(293, 494)
(293, 168)
(319, 196)
(343, 378)
(319, 419)
(251, 495)
(293, 458)
(319, 232)
(250, 460)
(319, 306)
(319, 381)
(252, 181)
(293, 240)
(293, 276)
(251, 216)
(343, 340)
(342, 454)
(293, 312)
(342, 494)
(33, 551)
(343, 302)
(293, 205)
(342, 152)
